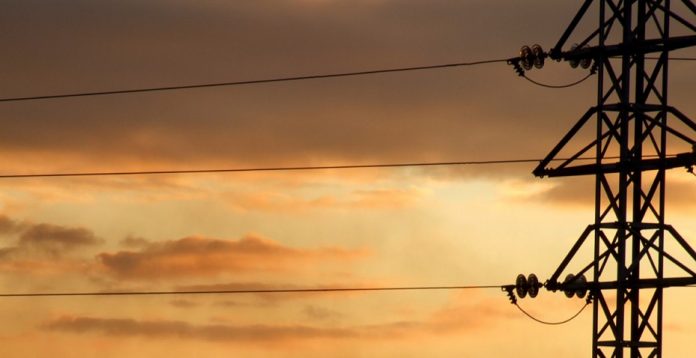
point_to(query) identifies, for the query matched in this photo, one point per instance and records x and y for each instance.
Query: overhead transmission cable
(317, 290)
(568, 85)
(553, 323)
(279, 168)
(250, 82)
(273, 80)
(264, 169)
(247, 291)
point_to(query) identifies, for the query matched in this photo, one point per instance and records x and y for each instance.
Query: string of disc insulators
(572, 286)
(534, 57)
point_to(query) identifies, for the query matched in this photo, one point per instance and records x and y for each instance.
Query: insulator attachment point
(534, 285)
(575, 286)
(582, 291)
(568, 292)
(574, 63)
(584, 62)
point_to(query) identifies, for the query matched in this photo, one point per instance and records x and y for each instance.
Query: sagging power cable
(280, 169)
(251, 82)
(245, 291)
(559, 86)
(554, 323)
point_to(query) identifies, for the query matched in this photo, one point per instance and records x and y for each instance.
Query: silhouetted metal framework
(631, 254)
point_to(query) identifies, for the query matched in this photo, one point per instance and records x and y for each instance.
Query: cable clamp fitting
(510, 290)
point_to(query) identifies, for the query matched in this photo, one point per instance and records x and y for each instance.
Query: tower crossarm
(612, 285)
(686, 160)
(633, 48)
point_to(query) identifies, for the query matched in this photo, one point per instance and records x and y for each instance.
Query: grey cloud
(8, 225)
(181, 303)
(200, 256)
(485, 112)
(45, 239)
(155, 329)
(468, 113)
(320, 314)
(7, 252)
(56, 238)
(270, 298)
(451, 319)
(579, 192)
(134, 242)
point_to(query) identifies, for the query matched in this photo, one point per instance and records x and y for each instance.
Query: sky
(434, 226)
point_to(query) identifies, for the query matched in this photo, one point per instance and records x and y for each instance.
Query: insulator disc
(538, 54)
(586, 63)
(526, 57)
(521, 286)
(573, 62)
(569, 292)
(533, 283)
(581, 292)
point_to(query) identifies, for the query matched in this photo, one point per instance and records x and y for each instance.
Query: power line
(263, 169)
(250, 82)
(271, 80)
(558, 86)
(246, 291)
(555, 323)
(276, 291)
(289, 168)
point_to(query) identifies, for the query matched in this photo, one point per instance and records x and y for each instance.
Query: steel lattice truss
(632, 254)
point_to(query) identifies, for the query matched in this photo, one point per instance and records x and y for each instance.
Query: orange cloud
(200, 256)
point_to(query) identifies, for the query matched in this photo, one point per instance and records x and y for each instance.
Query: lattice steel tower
(629, 253)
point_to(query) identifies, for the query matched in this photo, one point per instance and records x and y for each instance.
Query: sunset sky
(426, 226)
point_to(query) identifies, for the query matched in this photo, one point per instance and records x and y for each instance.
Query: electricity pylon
(630, 253)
